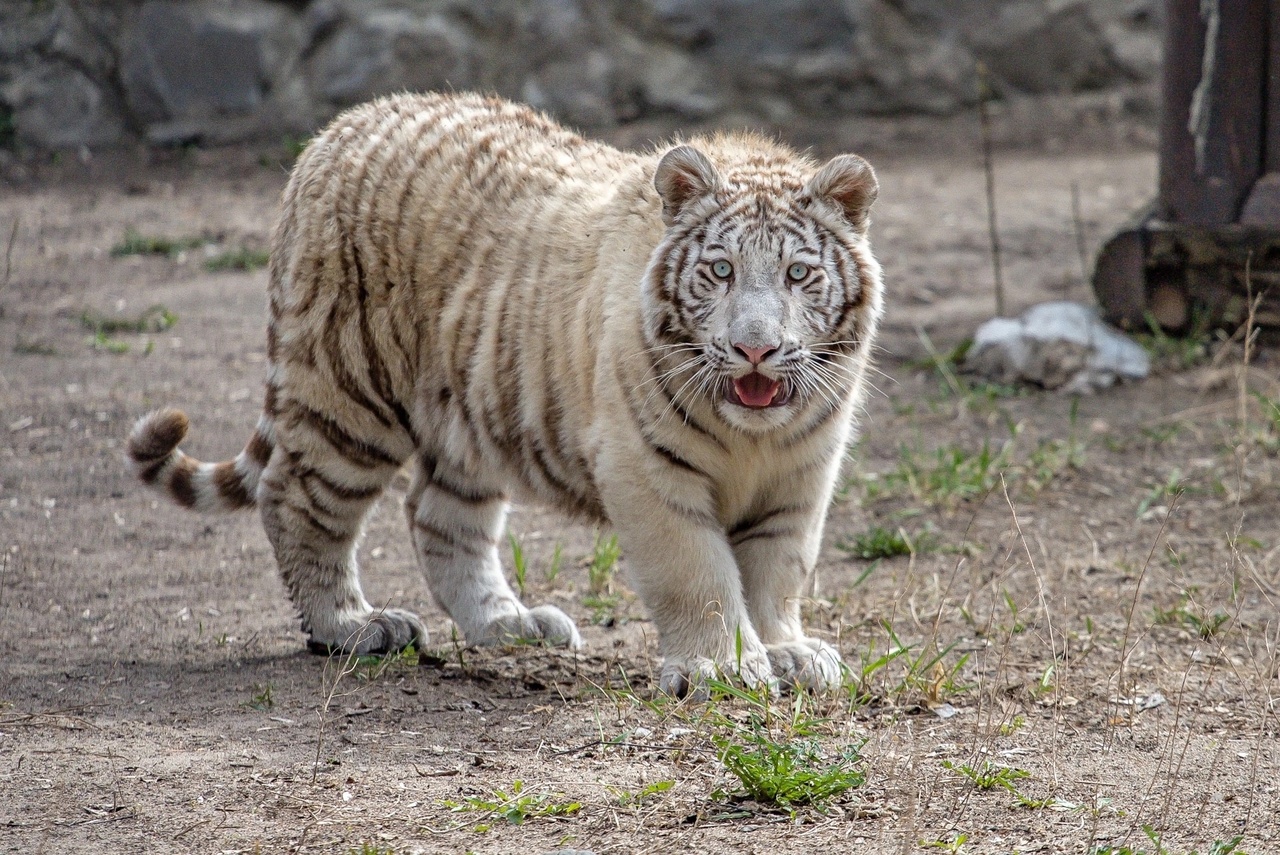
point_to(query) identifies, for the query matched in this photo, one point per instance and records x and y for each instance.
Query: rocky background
(75, 73)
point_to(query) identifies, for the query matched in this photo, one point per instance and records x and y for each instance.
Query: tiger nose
(754, 355)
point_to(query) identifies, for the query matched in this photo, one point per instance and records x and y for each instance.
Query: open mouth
(757, 391)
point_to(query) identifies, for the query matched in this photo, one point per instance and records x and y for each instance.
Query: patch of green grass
(238, 259)
(263, 698)
(136, 243)
(1218, 847)
(904, 672)
(946, 476)
(989, 776)
(604, 607)
(1176, 353)
(1269, 436)
(1050, 459)
(603, 563)
(1184, 613)
(102, 341)
(556, 564)
(1158, 493)
(789, 773)
(955, 845)
(879, 542)
(290, 149)
(34, 347)
(519, 567)
(635, 798)
(1009, 728)
(155, 319)
(372, 667)
(515, 805)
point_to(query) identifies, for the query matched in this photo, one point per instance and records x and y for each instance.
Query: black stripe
(762, 534)
(701, 517)
(309, 516)
(750, 523)
(307, 474)
(451, 540)
(374, 362)
(358, 451)
(335, 358)
(656, 446)
(814, 425)
(687, 418)
(470, 495)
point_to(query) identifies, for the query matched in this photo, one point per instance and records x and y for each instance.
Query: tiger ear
(848, 182)
(684, 175)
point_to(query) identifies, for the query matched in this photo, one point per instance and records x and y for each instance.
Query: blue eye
(797, 272)
(722, 269)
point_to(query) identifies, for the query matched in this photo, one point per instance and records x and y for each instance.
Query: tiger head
(763, 294)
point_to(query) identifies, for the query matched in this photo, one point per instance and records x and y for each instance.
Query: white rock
(1058, 345)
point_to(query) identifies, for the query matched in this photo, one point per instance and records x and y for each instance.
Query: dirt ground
(1103, 618)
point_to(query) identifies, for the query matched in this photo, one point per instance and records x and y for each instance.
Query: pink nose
(754, 355)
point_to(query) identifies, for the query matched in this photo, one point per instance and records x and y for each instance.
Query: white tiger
(673, 343)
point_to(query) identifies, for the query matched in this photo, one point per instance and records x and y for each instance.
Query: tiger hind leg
(456, 524)
(314, 503)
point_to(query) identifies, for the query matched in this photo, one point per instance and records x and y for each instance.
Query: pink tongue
(756, 390)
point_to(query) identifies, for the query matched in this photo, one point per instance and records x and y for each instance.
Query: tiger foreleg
(457, 525)
(684, 570)
(776, 553)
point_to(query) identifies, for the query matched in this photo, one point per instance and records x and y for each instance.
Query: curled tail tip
(156, 435)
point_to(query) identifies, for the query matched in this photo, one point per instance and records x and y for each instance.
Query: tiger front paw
(374, 633)
(545, 624)
(687, 676)
(807, 663)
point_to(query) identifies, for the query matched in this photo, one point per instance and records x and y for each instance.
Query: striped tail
(227, 486)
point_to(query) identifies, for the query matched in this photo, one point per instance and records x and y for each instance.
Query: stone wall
(79, 73)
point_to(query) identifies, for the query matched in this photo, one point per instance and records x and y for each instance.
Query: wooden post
(1211, 133)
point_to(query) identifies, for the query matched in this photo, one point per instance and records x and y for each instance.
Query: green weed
(136, 243)
(519, 566)
(989, 776)
(634, 798)
(955, 845)
(603, 607)
(880, 542)
(603, 564)
(557, 563)
(155, 319)
(1218, 847)
(1176, 353)
(102, 341)
(925, 673)
(372, 667)
(1184, 613)
(263, 698)
(514, 805)
(947, 476)
(238, 259)
(1159, 492)
(788, 774)
(1009, 728)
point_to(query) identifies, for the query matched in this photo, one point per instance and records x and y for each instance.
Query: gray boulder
(1057, 345)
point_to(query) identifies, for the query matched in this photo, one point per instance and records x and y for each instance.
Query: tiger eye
(722, 269)
(797, 271)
